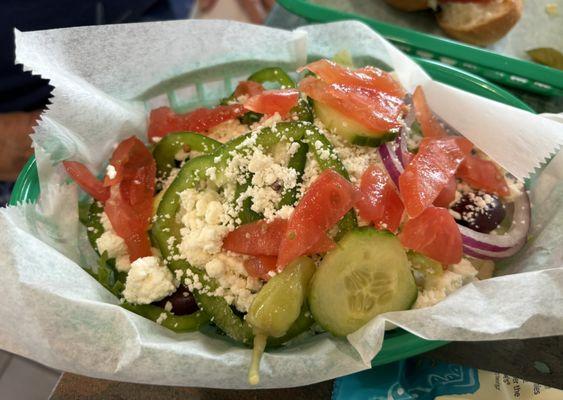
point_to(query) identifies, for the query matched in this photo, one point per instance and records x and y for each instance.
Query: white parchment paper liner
(105, 77)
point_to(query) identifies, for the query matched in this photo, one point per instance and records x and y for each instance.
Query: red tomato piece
(269, 102)
(324, 203)
(258, 238)
(128, 225)
(376, 110)
(263, 238)
(429, 124)
(380, 203)
(367, 77)
(129, 155)
(248, 88)
(86, 180)
(483, 174)
(435, 234)
(324, 244)
(430, 171)
(447, 195)
(259, 266)
(163, 120)
(130, 204)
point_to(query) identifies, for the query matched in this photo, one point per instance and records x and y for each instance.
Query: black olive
(182, 300)
(482, 212)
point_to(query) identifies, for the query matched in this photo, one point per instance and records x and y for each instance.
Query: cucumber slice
(349, 129)
(366, 275)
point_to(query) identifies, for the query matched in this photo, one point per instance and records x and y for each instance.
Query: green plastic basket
(507, 71)
(398, 344)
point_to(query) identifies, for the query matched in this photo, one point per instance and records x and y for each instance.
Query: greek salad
(295, 208)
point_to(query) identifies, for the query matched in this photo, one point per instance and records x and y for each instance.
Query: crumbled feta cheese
(181, 155)
(356, 159)
(283, 151)
(437, 287)
(234, 283)
(227, 130)
(161, 318)
(465, 269)
(285, 212)
(211, 173)
(112, 244)
(516, 188)
(202, 232)
(268, 122)
(486, 269)
(104, 220)
(168, 306)
(122, 263)
(310, 174)
(267, 172)
(214, 268)
(111, 173)
(269, 180)
(148, 281)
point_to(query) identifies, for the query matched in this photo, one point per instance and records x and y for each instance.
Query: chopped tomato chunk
(263, 238)
(324, 203)
(128, 225)
(435, 234)
(483, 174)
(259, 266)
(324, 244)
(430, 171)
(380, 203)
(248, 88)
(130, 204)
(374, 109)
(429, 124)
(258, 238)
(86, 180)
(163, 120)
(269, 102)
(129, 155)
(447, 195)
(367, 77)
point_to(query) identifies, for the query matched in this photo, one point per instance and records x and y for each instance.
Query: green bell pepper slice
(176, 323)
(93, 223)
(273, 75)
(165, 150)
(297, 162)
(246, 214)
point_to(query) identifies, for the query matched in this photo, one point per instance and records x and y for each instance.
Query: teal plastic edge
(506, 70)
(398, 343)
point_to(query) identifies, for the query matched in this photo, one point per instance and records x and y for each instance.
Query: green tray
(507, 71)
(398, 344)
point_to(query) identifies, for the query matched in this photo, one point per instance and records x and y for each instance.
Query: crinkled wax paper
(105, 78)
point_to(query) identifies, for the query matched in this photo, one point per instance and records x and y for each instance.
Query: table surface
(535, 360)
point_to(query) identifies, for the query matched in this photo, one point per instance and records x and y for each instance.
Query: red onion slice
(391, 162)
